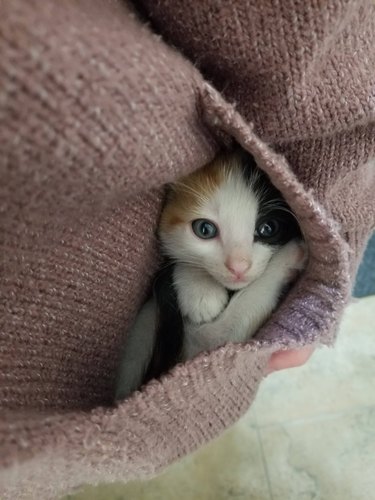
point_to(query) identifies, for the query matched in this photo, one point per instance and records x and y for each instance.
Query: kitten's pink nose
(237, 266)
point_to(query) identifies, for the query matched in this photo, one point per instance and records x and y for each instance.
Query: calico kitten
(232, 245)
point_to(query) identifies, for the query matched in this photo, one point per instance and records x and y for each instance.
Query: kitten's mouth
(233, 282)
(237, 283)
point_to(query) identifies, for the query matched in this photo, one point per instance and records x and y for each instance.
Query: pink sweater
(97, 113)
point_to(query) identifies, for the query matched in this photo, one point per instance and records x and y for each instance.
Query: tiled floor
(309, 435)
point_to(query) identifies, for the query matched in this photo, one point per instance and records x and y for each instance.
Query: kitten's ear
(246, 158)
(169, 325)
(170, 191)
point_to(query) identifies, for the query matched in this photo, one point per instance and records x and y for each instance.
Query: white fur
(200, 297)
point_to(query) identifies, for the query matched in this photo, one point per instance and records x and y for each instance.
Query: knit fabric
(98, 110)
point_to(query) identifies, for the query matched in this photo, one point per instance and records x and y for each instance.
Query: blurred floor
(309, 435)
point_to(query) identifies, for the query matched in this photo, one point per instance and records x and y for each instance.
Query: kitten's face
(214, 221)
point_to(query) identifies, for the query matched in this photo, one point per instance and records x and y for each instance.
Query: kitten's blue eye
(267, 230)
(204, 229)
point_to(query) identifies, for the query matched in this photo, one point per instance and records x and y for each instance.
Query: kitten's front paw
(290, 260)
(204, 305)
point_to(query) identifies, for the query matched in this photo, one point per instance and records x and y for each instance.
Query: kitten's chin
(237, 285)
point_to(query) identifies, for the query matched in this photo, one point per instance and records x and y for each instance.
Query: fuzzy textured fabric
(99, 108)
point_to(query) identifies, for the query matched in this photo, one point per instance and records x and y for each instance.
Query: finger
(289, 359)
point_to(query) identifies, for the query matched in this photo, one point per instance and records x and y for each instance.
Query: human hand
(292, 358)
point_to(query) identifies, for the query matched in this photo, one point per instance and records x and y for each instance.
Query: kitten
(231, 245)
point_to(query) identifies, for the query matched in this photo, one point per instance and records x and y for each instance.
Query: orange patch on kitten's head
(190, 193)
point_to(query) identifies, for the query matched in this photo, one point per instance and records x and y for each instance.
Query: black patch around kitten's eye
(277, 227)
(273, 209)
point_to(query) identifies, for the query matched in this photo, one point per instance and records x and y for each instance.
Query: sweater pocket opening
(309, 311)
